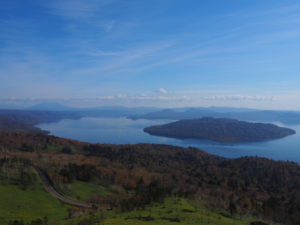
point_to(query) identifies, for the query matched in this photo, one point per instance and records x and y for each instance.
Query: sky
(166, 53)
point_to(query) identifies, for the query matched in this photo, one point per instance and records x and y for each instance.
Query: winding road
(49, 188)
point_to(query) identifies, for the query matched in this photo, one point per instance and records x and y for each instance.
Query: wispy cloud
(100, 48)
(162, 91)
(283, 9)
(164, 100)
(238, 98)
(144, 97)
(103, 53)
(122, 61)
(185, 97)
(76, 8)
(106, 25)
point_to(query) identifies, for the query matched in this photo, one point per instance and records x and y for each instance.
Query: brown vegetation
(144, 173)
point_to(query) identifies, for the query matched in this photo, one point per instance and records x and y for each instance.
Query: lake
(127, 131)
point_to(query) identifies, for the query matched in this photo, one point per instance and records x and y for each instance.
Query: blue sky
(172, 53)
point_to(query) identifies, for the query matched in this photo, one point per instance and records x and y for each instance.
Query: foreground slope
(178, 211)
(23, 195)
(136, 176)
(24, 201)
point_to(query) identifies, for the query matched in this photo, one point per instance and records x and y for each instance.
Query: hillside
(25, 201)
(129, 178)
(23, 195)
(7, 124)
(220, 130)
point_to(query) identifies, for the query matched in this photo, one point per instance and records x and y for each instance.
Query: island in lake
(220, 130)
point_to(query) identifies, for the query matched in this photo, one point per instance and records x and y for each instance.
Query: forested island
(220, 130)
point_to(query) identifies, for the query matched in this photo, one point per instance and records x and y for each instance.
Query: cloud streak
(76, 9)
(101, 48)
(170, 100)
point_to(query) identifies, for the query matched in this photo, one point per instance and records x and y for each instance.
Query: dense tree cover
(144, 173)
(220, 130)
(7, 124)
(16, 172)
(258, 223)
(43, 221)
(37, 142)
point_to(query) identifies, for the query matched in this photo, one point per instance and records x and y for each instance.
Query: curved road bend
(49, 188)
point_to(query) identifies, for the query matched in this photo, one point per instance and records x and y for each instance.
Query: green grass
(29, 204)
(172, 212)
(84, 190)
(34, 203)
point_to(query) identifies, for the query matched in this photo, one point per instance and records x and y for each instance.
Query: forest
(139, 175)
(220, 130)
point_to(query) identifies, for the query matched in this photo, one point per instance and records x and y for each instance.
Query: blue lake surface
(127, 131)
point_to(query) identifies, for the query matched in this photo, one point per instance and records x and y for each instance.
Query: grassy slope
(163, 214)
(84, 190)
(29, 204)
(35, 203)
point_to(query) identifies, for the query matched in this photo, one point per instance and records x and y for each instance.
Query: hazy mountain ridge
(46, 112)
(51, 112)
(52, 106)
(287, 117)
(35, 117)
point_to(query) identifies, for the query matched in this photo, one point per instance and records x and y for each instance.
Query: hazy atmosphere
(149, 112)
(151, 53)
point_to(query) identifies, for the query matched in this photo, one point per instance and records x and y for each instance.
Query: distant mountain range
(36, 117)
(57, 107)
(220, 130)
(49, 112)
(287, 117)
(44, 113)
(121, 109)
(51, 107)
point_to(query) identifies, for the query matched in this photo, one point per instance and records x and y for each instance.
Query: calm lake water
(127, 131)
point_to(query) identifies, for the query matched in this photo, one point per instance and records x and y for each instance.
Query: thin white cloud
(162, 91)
(287, 9)
(271, 11)
(144, 97)
(128, 60)
(103, 53)
(238, 98)
(106, 25)
(22, 63)
(281, 100)
(75, 8)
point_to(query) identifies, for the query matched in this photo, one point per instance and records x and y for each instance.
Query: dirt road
(49, 188)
